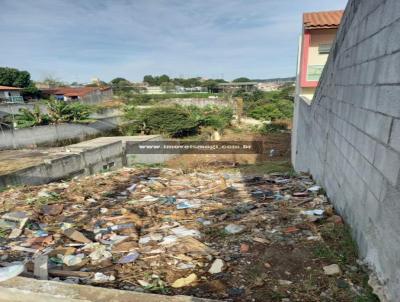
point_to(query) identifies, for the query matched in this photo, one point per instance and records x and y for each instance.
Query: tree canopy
(14, 77)
(241, 79)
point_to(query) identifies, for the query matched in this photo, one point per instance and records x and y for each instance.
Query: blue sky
(76, 40)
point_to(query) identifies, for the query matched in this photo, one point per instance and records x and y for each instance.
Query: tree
(168, 87)
(149, 80)
(31, 91)
(14, 77)
(53, 82)
(163, 79)
(121, 85)
(242, 79)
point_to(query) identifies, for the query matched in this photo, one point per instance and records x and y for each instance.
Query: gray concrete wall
(51, 134)
(349, 138)
(85, 158)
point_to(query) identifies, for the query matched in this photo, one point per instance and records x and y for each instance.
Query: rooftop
(74, 91)
(2, 88)
(321, 20)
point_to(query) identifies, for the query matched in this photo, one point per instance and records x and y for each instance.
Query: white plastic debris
(316, 212)
(100, 277)
(183, 232)
(314, 189)
(234, 228)
(72, 260)
(11, 271)
(169, 240)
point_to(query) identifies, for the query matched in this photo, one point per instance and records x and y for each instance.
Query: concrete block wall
(51, 134)
(349, 137)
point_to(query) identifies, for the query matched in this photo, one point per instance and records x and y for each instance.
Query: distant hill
(288, 79)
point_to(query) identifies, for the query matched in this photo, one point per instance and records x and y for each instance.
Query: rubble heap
(165, 231)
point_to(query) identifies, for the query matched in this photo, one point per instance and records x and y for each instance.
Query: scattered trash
(76, 236)
(52, 209)
(183, 232)
(316, 212)
(184, 281)
(101, 278)
(262, 193)
(131, 257)
(314, 189)
(216, 266)
(73, 260)
(234, 228)
(161, 230)
(184, 204)
(11, 271)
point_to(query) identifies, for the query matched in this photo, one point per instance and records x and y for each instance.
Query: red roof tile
(9, 88)
(317, 20)
(71, 91)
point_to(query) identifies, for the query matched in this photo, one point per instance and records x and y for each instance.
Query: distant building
(154, 90)
(318, 35)
(83, 94)
(232, 86)
(10, 94)
(268, 86)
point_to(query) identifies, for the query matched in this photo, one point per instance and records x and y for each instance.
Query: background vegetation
(175, 121)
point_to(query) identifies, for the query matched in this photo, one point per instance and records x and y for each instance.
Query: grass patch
(339, 247)
(267, 167)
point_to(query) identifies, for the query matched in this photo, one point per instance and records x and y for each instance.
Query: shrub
(279, 109)
(277, 126)
(214, 117)
(58, 112)
(172, 121)
(27, 118)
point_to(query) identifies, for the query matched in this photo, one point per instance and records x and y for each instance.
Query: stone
(332, 269)
(284, 282)
(182, 282)
(336, 219)
(216, 266)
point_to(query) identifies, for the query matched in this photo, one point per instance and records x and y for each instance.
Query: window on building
(314, 72)
(324, 48)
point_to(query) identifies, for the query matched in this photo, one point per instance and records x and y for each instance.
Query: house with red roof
(318, 34)
(10, 94)
(82, 94)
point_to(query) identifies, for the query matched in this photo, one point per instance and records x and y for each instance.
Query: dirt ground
(276, 156)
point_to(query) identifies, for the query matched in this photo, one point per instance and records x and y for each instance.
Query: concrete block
(370, 97)
(391, 12)
(388, 69)
(395, 135)
(388, 163)
(377, 125)
(388, 100)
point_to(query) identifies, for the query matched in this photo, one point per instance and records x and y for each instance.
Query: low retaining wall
(51, 134)
(89, 157)
(349, 137)
(21, 289)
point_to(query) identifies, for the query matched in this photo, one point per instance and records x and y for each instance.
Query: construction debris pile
(164, 231)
